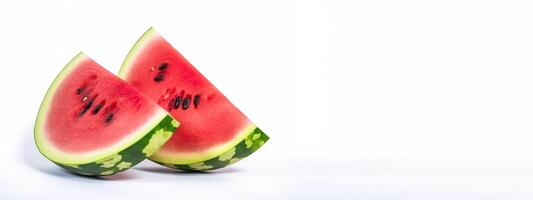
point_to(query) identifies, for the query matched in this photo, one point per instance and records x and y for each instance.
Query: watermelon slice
(213, 132)
(93, 123)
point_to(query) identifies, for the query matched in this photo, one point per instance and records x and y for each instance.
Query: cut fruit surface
(211, 125)
(91, 122)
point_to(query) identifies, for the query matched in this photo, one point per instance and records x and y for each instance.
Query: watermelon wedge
(93, 123)
(213, 132)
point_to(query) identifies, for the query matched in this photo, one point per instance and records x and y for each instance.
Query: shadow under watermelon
(155, 168)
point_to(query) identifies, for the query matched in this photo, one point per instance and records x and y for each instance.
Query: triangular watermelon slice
(213, 132)
(91, 122)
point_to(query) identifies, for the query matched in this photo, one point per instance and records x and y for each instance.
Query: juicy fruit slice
(213, 132)
(93, 123)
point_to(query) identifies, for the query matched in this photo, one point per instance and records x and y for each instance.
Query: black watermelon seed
(80, 90)
(159, 77)
(171, 104)
(196, 101)
(87, 107)
(163, 66)
(177, 102)
(97, 108)
(186, 102)
(109, 118)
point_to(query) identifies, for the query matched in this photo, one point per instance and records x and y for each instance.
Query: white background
(362, 100)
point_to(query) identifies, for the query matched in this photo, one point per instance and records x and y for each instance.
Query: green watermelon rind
(243, 149)
(130, 156)
(178, 158)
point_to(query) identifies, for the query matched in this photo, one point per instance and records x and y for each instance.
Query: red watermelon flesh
(96, 111)
(210, 123)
